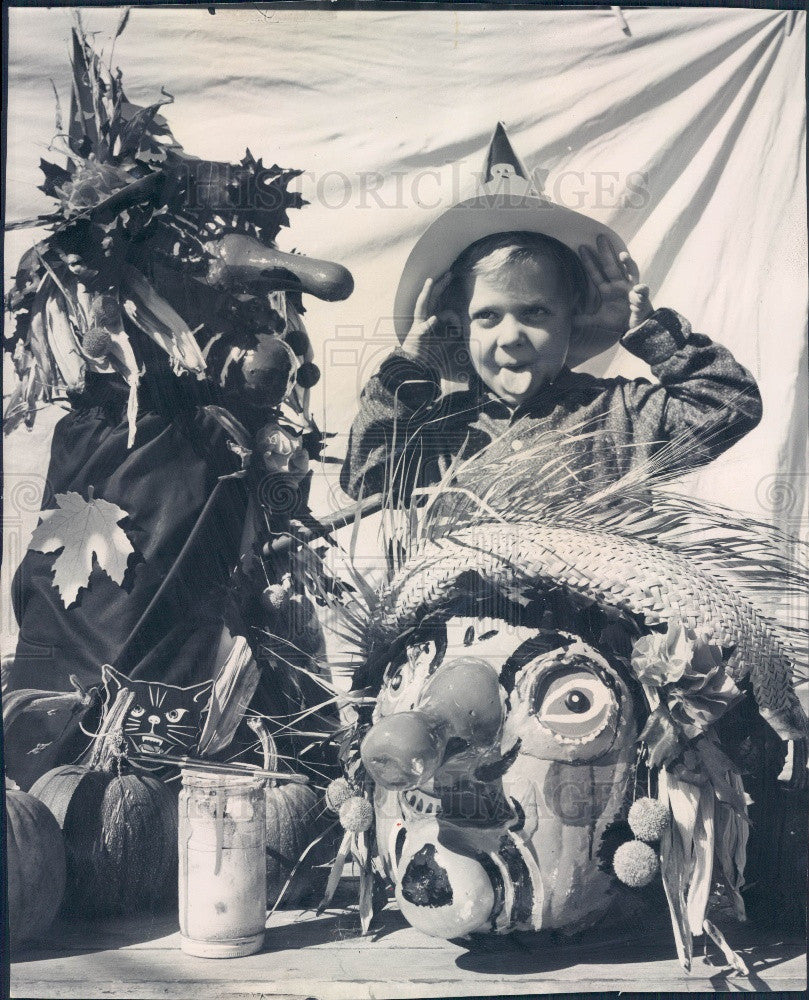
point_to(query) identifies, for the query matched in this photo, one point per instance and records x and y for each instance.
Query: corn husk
(120, 356)
(233, 687)
(732, 831)
(699, 888)
(676, 846)
(151, 313)
(63, 342)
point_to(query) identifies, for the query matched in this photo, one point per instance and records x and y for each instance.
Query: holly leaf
(82, 529)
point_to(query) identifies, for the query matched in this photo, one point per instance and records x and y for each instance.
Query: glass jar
(223, 895)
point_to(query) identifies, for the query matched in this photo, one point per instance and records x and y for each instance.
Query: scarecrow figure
(161, 311)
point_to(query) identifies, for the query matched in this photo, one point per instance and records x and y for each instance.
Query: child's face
(518, 326)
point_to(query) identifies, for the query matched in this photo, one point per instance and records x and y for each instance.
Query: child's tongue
(516, 383)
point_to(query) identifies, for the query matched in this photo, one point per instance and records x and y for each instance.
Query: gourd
(263, 375)
(440, 892)
(35, 861)
(461, 702)
(120, 829)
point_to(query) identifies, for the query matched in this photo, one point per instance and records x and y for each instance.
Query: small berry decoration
(308, 375)
(635, 864)
(648, 819)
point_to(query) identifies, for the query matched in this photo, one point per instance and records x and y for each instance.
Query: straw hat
(509, 203)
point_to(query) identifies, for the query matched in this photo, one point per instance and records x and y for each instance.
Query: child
(517, 299)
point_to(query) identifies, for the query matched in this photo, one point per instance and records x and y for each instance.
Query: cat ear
(113, 680)
(201, 692)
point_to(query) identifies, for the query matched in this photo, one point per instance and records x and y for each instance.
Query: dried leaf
(699, 889)
(732, 831)
(123, 21)
(366, 901)
(675, 865)
(661, 737)
(720, 771)
(336, 871)
(59, 120)
(731, 957)
(82, 529)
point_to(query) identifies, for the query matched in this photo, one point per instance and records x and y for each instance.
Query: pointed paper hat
(509, 203)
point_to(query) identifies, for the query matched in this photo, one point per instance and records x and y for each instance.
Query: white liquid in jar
(222, 887)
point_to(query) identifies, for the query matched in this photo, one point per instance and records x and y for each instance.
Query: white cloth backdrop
(687, 136)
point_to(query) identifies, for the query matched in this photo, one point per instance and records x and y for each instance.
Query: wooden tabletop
(325, 957)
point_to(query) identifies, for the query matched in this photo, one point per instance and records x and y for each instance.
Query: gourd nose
(466, 697)
(243, 257)
(403, 750)
(461, 702)
(153, 720)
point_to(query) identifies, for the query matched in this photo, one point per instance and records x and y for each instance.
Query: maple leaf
(82, 529)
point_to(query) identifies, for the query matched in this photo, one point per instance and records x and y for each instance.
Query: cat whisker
(177, 742)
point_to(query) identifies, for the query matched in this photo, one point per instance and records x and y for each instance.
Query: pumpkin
(120, 833)
(35, 861)
(293, 821)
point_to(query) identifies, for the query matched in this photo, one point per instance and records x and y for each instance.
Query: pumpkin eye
(574, 703)
(176, 714)
(137, 711)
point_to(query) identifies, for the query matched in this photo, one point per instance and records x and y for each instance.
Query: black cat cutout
(162, 718)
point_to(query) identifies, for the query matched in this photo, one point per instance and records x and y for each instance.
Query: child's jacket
(406, 433)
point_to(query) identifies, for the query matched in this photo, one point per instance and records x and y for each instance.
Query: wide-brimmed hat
(508, 203)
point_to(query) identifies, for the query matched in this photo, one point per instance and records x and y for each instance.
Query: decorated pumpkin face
(501, 756)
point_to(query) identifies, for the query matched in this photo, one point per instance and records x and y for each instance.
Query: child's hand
(624, 302)
(433, 336)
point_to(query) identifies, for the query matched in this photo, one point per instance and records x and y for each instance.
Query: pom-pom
(648, 818)
(337, 792)
(635, 864)
(356, 814)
